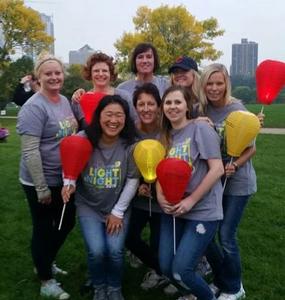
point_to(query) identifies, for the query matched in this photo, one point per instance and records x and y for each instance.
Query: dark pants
(46, 238)
(147, 253)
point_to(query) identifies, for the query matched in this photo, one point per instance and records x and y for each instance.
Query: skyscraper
(47, 20)
(244, 58)
(80, 56)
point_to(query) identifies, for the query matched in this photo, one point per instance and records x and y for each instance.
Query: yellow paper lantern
(241, 129)
(147, 154)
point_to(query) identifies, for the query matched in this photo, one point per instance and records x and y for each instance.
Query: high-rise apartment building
(80, 56)
(49, 29)
(244, 58)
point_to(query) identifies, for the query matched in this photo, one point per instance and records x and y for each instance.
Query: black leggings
(46, 238)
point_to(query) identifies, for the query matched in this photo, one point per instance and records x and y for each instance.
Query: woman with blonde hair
(217, 103)
(43, 121)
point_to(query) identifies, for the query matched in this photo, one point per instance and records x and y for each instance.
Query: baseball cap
(185, 63)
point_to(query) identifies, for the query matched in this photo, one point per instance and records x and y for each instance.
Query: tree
(74, 80)
(245, 93)
(21, 27)
(11, 76)
(173, 31)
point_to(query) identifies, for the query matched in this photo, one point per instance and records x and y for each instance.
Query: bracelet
(236, 166)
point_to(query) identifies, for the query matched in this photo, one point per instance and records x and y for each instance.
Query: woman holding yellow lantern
(145, 209)
(215, 97)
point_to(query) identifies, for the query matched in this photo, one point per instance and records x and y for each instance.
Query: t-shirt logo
(67, 126)
(182, 151)
(107, 177)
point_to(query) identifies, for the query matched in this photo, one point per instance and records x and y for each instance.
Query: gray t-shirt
(103, 179)
(126, 95)
(160, 82)
(243, 182)
(196, 143)
(50, 122)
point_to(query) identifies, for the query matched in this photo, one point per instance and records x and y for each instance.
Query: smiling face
(175, 109)
(145, 62)
(100, 74)
(112, 121)
(147, 109)
(50, 76)
(182, 77)
(215, 89)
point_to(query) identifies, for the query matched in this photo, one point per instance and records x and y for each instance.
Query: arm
(114, 220)
(246, 155)
(164, 204)
(32, 157)
(77, 95)
(216, 170)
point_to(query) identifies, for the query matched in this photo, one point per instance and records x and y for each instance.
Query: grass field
(262, 233)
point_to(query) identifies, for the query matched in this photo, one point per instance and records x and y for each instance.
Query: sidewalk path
(263, 130)
(272, 130)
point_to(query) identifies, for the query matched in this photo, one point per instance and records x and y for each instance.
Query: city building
(80, 56)
(49, 29)
(244, 59)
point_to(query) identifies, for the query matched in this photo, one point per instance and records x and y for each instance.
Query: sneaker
(215, 290)
(239, 295)
(187, 297)
(170, 290)
(114, 294)
(100, 293)
(152, 280)
(134, 261)
(57, 271)
(51, 289)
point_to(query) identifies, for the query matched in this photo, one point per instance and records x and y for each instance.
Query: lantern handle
(226, 179)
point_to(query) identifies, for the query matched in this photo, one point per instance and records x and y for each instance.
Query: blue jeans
(105, 252)
(192, 239)
(225, 257)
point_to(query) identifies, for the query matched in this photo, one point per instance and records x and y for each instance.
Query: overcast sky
(100, 23)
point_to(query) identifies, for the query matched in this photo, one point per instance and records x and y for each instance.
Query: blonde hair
(207, 72)
(43, 58)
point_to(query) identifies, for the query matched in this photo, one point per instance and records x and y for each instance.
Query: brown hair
(95, 58)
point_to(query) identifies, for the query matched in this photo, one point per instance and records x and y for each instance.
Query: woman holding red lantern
(103, 194)
(198, 213)
(100, 70)
(215, 97)
(43, 121)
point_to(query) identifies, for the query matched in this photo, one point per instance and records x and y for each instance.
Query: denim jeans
(105, 252)
(224, 257)
(147, 253)
(192, 239)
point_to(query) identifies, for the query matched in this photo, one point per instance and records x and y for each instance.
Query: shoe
(57, 271)
(187, 297)
(152, 280)
(100, 292)
(170, 290)
(114, 294)
(239, 295)
(51, 289)
(134, 261)
(215, 290)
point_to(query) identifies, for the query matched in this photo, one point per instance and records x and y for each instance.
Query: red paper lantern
(173, 174)
(270, 78)
(75, 152)
(89, 102)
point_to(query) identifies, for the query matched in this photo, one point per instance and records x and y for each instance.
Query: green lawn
(262, 234)
(274, 114)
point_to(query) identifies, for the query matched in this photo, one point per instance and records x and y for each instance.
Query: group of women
(187, 116)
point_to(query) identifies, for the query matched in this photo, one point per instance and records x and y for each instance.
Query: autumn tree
(173, 31)
(21, 27)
